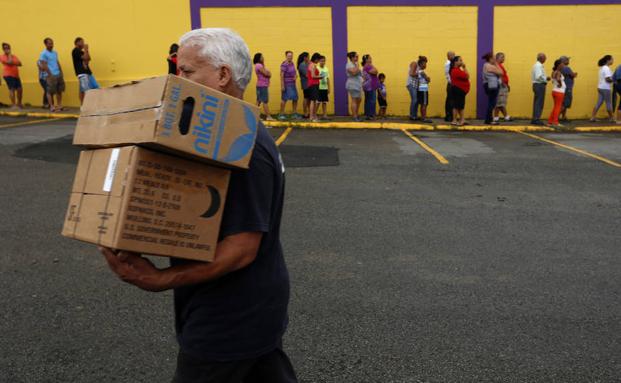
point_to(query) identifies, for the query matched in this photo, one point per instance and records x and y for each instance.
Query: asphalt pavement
(500, 265)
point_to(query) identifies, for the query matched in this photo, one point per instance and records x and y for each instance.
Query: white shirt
(604, 72)
(538, 74)
(557, 88)
(447, 71)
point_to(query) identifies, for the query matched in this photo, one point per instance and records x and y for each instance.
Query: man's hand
(134, 269)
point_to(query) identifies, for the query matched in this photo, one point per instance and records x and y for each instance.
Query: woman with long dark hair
(172, 59)
(604, 87)
(558, 92)
(491, 85)
(370, 85)
(263, 83)
(460, 86)
(302, 66)
(354, 83)
(314, 77)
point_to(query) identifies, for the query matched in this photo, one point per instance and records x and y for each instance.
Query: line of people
(51, 76)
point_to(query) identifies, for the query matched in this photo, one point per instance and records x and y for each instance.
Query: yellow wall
(272, 31)
(394, 36)
(128, 39)
(584, 32)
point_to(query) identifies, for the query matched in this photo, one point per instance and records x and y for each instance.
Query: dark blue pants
(44, 86)
(492, 97)
(370, 99)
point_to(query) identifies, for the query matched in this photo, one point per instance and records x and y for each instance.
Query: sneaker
(508, 118)
(296, 116)
(496, 119)
(282, 117)
(270, 118)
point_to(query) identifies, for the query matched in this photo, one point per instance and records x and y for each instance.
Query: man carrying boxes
(231, 313)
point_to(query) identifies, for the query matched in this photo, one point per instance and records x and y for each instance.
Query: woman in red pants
(558, 93)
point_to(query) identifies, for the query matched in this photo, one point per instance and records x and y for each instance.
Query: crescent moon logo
(215, 202)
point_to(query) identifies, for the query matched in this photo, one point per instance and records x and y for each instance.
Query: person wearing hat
(570, 75)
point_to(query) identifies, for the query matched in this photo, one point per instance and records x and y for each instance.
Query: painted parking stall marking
(428, 148)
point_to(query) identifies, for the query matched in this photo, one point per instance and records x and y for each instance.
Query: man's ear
(225, 76)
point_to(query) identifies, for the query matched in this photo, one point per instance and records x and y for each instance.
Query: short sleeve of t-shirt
(249, 202)
(78, 65)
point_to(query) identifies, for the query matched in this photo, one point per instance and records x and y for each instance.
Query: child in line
(324, 86)
(422, 98)
(381, 95)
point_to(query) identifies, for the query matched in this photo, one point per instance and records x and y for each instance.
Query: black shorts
(323, 95)
(458, 96)
(422, 97)
(306, 92)
(313, 92)
(13, 83)
(381, 102)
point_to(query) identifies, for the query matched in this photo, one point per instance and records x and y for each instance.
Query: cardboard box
(135, 199)
(172, 114)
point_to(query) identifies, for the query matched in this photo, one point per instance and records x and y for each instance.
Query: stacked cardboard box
(156, 179)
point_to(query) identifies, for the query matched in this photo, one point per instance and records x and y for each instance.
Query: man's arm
(86, 56)
(234, 252)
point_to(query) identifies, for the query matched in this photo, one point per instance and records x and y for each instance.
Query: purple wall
(485, 35)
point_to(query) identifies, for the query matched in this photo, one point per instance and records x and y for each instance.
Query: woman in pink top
(314, 78)
(263, 83)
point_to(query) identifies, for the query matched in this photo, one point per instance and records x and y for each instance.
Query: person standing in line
(381, 96)
(172, 59)
(230, 314)
(412, 87)
(422, 95)
(324, 86)
(460, 86)
(354, 83)
(503, 91)
(302, 65)
(616, 76)
(604, 87)
(491, 85)
(539, 80)
(288, 90)
(10, 73)
(263, 83)
(81, 58)
(43, 83)
(55, 79)
(313, 76)
(558, 93)
(370, 86)
(570, 76)
(448, 105)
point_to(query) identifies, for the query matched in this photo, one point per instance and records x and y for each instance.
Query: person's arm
(373, 70)
(44, 67)
(86, 56)
(16, 61)
(466, 75)
(354, 70)
(265, 72)
(413, 67)
(608, 77)
(495, 69)
(314, 72)
(233, 253)
(427, 78)
(282, 79)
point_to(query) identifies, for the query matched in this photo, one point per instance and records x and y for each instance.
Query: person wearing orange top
(10, 73)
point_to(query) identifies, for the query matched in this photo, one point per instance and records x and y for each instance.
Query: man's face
(289, 56)
(194, 67)
(49, 44)
(80, 44)
(543, 58)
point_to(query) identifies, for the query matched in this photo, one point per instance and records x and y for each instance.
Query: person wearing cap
(10, 73)
(569, 75)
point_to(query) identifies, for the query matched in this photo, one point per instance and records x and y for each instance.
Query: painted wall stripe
(485, 26)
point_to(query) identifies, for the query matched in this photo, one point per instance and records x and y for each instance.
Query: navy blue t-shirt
(243, 314)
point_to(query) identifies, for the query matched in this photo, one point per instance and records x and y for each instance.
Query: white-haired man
(231, 313)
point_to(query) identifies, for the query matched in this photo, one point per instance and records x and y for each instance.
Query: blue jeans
(492, 98)
(370, 99)
(413, 101)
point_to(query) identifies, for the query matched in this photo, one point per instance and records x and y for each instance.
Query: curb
(39, 114)
(439, 127)
(380, 125)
